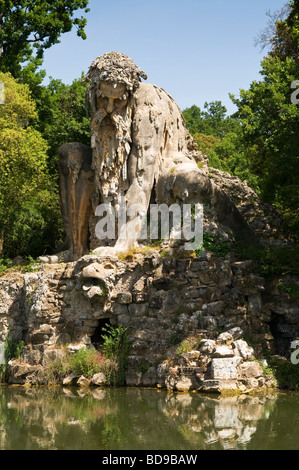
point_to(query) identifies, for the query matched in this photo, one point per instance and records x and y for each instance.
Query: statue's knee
(74, 156)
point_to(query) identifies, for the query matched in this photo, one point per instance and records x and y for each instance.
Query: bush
(213, 244)
(272, 260)
(286, 373)
(86, 362)
(116, 348)
(12, 350)
(5, 264)
(184, 347)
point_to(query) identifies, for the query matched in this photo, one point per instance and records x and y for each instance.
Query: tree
(27, 26)
(219, 137)
(213, 121)
(29, 204)
(270, 121)
(62, 117)
(266, 36)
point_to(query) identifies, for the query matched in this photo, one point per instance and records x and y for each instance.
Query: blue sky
(197, 50)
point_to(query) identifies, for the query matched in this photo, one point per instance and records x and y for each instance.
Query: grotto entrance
(97, 337)
(283, 334)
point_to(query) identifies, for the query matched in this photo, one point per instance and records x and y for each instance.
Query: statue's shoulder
(149, 94)
(146, 92)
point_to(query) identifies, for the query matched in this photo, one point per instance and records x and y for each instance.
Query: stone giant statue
(141, 152)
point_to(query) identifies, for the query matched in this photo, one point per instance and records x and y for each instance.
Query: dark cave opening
(97, 337)
(283, 334)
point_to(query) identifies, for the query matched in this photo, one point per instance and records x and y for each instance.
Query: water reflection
(136, 419)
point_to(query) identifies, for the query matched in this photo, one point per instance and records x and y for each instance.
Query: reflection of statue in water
(140, 149)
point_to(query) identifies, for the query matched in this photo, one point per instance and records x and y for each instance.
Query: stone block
(224, 368)
(124, 298)
(224, 337)
(222, 351)
(83, 382)
(140, 297)
(156, 303)
(150, 377)
(98, 379)
(218, 386)
(255, 304)
(138, 310)
(31, 357)
(51, 355)
(242, 349)
(96, 271)
(208, 322)
(186, 384)
(70, 380)
(207, 346)
(250, 370)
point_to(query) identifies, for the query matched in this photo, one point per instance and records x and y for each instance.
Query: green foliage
(144, 366)
(175, 339)
(270, 127)
(286, 373)
(27, 26)
(34, 122)
(116, 347)
(62, 117)
(5, 265)
(212, 122)
(206, 143)
(260, 142)
(220, 138)
(29, 202)
(85, 362)
(56, 370)
(12, 350)
(184, 347)
(269, 119)
(292, 289)
(189, 344)
(272, 260)
(232, 156)
(213, 244)
(31, 265)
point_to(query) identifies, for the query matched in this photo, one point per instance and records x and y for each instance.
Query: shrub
(214, 244)
(5, 264)
(286, 373)
(56, 370)
(116, 348)
(12, 350)
(184, 347)
(86, 362)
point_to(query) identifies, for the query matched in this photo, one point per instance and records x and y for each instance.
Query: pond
(145, 419)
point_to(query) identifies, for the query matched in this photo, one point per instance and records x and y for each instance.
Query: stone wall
(163, 301)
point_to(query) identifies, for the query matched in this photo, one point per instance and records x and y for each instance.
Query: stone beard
(111, 145)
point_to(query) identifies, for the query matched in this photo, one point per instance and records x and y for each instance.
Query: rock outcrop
(166, 303)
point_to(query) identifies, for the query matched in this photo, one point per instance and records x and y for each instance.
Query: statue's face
(113, 98)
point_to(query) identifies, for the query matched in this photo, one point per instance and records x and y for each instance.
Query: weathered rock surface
(162, 303)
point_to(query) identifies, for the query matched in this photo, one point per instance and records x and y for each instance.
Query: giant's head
(112, 78)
